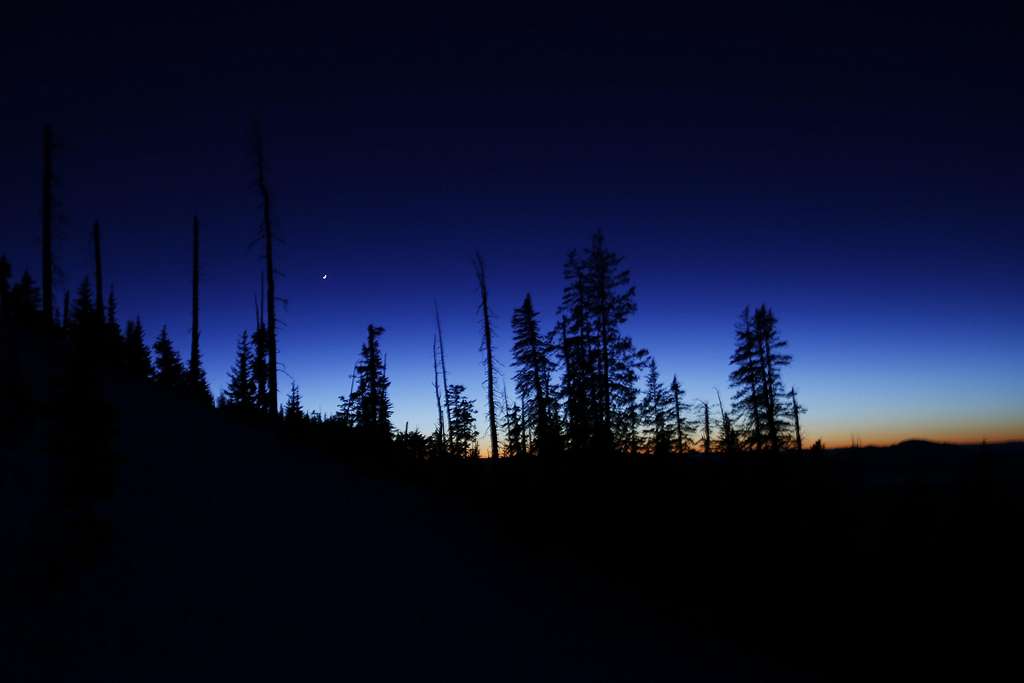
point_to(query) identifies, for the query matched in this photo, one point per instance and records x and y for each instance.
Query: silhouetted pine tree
(655, 412)
(240, 394)
(25, 298)
(599, 361)
(531, 358)
(462, 433)
(679, 427)
(293, 413)
(516, 439)
(66, 319)
(168, 369)
(137, 358)
(746, 380)
(758, 360)
(727, 441)
(370, 398)
(485, 309)
(83, 315)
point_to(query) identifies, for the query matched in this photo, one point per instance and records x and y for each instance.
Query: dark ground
(148, 540)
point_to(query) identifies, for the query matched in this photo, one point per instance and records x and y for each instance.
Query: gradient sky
(860, 174)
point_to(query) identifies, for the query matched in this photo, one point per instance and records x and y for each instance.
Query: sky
(860, 174)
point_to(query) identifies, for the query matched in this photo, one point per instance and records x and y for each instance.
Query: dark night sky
(859, 173)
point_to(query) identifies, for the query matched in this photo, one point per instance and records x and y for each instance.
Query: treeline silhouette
(581, 387)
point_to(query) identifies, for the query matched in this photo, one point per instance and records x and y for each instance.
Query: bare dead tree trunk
(193, 361)
(48, 210)
(444, 369)
(99, 271)
(440, 412)
(268, 239)
(482, 281)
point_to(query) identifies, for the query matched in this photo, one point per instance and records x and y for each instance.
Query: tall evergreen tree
(240, 393)
(169, 371)
(746, 381)
(293, 413)
(370, 398)
(462, 433)
(516, 438)
(531, 358)
(655, 411)
(757, 380)
(83, 314)
(600, 362)
(25, 297)
(137, 358)
(727, 442)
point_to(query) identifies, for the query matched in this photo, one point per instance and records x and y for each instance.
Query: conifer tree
(370, 398)
(655, 412)
(137, 358)
(111, 315)
(680, 426)
(727, 442)
(240, 393)
(462, 433)
(25, 298)
(516, 439)
(531, 358)
(168, 369)
(757, 379)
(293, 413)
(66, 319)
(599, 361)
(83, 313)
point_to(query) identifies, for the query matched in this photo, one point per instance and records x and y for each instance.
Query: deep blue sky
(860, 174)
